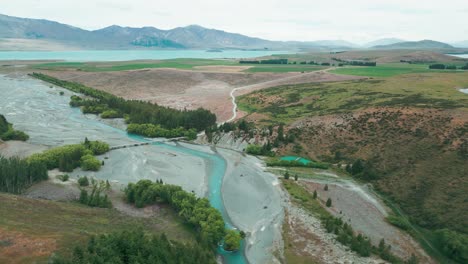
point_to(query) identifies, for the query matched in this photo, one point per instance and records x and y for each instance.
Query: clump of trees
(195, 211)
(18, 174)
(359, 243)
(69, 157)
(150, 130)
(262, 150)
(135, 112)
(454, 245)
(363, 170)
(134, 246)
(97, 198)
(8, 133)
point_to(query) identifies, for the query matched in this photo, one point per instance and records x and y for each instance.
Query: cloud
(357, 20)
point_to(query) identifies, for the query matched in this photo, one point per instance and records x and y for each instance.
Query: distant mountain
(423, 44)
(384, 41)
(334, 43)
(126, 37)
(461, 44)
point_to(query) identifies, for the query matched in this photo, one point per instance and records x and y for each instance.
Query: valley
(391, 139)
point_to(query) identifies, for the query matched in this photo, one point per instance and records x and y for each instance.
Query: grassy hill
(409, 130)
(31, 230)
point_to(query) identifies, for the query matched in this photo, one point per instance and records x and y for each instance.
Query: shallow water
(46, 116)
(459, 55)
(295, 158)
(127, 55)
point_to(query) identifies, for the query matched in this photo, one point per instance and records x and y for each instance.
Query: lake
(128, 55)
(465, 56)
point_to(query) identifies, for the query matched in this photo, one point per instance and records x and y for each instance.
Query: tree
(281, 133)
(286, 175)
(232, 240)
(242, 234)
(296, 177)
(315, 194)
(329, 202)
(326, 187)
(83, 197)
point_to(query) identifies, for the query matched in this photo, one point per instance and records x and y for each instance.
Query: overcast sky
(353, 20)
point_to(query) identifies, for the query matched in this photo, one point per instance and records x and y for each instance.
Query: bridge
(138, 144)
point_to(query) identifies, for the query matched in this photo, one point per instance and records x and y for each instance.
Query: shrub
(90, 163)
(83, 181)
(63, 177)
(111, 114)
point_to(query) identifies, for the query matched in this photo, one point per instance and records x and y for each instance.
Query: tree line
(355, 62)
(8, 133)
(150, 130)
(137, 112)
(440, 66)
(136, 247)
(195, 211)
(271, 61)
(18, 174)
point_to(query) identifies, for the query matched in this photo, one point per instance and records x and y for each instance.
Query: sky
(358, 21)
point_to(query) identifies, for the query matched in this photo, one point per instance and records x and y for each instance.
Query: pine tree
(296, 177)
(326, 187)
(286, 175)
(315, 194)
(329, 202)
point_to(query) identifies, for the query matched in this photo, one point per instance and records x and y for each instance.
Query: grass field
(284, 68)
(66, 224)
(133, 65)
(291, 102)
(185, 64)
(384, 70)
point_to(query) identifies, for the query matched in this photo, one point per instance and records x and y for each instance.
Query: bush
(83, 181)
(111, 114)
(63, 177)
(90, 163)
(14, 135)
(399, 222)
(232, 240)
(255, 149)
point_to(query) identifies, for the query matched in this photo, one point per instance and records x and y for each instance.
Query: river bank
(45, 115)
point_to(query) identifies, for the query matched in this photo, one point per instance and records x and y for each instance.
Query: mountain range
(47, 34)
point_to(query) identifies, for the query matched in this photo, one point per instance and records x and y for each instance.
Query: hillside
(423, 44)
(384, 41)
(31, 230)
(409, 132)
